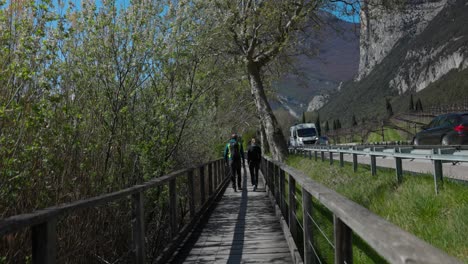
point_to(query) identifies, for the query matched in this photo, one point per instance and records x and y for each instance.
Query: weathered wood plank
(243, 228)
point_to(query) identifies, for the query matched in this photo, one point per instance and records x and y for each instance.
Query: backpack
(234, 150)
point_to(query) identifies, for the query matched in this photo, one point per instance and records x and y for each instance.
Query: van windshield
(306, 132)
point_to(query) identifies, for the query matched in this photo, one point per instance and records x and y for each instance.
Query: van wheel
(445, 141)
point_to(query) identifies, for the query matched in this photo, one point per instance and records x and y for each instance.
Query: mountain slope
(337, 61)
(421, 63)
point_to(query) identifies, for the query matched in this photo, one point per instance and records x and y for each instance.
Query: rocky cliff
(382, 26)
(418, 49)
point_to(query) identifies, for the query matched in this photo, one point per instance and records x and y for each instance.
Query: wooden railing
(387, 240)
(43, 223)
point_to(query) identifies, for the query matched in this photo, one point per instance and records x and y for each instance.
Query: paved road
(458, 171)
(243, 228)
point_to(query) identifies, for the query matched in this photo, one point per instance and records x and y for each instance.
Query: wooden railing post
(223, 170)
(272, 177)
(202, 184)
(343, 242)
(173, 207)
(191, 191)
(138, 227)
(220, 171)
(276, 184)
(215, 175)
(292, 206)
(282, 203)
(210, 179)
(44, 242)
(373, 165)
(309, 257)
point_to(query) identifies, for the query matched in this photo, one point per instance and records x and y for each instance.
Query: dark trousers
(236, 168)
(254, 167)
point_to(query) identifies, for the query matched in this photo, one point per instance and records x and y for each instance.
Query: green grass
(390, 134)
(441, 220)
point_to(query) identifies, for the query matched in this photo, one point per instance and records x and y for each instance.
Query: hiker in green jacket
(233, 156)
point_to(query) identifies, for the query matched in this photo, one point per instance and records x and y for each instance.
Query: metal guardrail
(389, 241)
(43, 223)
(436, 154)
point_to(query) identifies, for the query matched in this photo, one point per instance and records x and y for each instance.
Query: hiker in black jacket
(254, 157)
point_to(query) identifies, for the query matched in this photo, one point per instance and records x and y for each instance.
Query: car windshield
(464, 119)
(306, 132)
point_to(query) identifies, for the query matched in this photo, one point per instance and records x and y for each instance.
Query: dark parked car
(448, 129)
(323, 140)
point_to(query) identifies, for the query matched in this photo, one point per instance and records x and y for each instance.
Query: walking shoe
(234, 188)
(239, 188)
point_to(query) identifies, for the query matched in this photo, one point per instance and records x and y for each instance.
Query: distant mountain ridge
(337, 61)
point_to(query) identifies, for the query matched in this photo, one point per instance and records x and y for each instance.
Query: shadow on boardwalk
(242, 228)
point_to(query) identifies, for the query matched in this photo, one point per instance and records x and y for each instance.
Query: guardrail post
(202, 184)
(307, 223)
(44, 242)
(399, 169)
(191, 191)
(355, 162)
(438, 176)
(331, 157)
(373, 165)
(315, 155)
(322, 155)
(282, 203)
(343, 242)
(341, 159)
(210, 179)
(310, 154)
(292, 206)
(173, 206)
(138, 227)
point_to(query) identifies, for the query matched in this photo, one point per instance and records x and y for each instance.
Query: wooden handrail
(388, 240)
(43, 222)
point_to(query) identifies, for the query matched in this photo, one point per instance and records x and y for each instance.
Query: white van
(303, 134)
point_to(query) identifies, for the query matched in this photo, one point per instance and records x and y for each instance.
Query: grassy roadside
(390, 134)
(441, 220)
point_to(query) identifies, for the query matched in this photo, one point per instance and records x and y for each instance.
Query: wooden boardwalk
(242, 228)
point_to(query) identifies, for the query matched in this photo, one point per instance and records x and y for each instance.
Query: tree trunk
(274, 135)
(263, 139)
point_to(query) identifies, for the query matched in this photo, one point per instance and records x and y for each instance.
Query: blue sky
(345, 13)
(340, 12)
